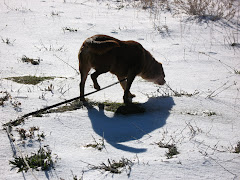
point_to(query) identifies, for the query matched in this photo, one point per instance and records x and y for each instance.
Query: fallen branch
(21, 119)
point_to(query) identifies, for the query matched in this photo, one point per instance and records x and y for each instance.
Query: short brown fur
(125, 59)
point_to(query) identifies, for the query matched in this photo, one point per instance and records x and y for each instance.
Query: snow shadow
(119, 128)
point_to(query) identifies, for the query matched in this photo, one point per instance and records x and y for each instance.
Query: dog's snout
(162, 82)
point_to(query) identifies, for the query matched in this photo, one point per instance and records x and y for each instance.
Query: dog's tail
(102, 46)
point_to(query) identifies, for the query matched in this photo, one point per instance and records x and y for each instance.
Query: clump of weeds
(207, 9)
(33, 61)
(69, 29)
(4, 97)
(172, 149)
(29, 79)
(8, 41)
(75, 177)
(41, 160)
(237, 71)
(97, 145)
(74, 105)
(55, 13)
(108, 106)
(31, 134)
(167, 91)
(49, 88)
(201, 113)
(210, 113)
(237, 148)
(50, 47)
(115, 167)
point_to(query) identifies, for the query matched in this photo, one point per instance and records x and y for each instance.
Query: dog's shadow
(119, 128)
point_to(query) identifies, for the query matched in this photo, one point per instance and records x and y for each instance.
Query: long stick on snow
(58, 104)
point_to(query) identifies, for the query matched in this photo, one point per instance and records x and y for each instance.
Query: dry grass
(172, 149)
(115, 167)
(30, 60)
(237, 148)
(207, 9)
(29, 79)
(204, 9)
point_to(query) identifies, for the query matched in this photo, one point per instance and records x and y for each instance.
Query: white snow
(196, 57)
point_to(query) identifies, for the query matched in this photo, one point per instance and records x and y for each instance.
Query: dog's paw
(97, 87)
(130, 95)
(82, 99)
(127, 100)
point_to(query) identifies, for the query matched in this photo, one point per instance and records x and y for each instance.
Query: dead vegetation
(41, 160)
(32, 61)
(118, 108)
(96, 145)
(207, 9)
(237, 148)
(172, 149)
(8, 41)
(113, 166)
(29, 79)
(6, 97)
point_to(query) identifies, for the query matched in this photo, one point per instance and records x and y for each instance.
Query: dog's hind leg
(94, 79)
(84, 74)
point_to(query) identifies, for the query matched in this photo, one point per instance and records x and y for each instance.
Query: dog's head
(154, 73)
(158, 75)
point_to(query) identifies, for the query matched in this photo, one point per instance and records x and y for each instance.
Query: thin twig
(211, 95)
(234, 70)
(206, 155)
(67, 63)
(216, 90)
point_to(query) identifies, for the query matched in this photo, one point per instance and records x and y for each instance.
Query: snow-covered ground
(199, 64)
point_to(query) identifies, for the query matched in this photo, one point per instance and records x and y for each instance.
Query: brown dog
(125, 59)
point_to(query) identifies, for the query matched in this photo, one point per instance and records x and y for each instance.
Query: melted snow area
(198, 113)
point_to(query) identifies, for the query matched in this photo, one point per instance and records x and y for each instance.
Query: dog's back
(106, 53)
(100, 44)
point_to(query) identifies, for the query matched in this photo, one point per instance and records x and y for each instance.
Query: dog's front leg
(130, 79)
(124, 84)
